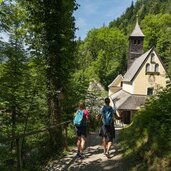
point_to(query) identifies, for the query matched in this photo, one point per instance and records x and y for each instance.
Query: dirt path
(94, 159)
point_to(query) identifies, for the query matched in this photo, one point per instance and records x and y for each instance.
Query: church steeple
(136, 40)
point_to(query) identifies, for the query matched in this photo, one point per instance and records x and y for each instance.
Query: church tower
(136, 40)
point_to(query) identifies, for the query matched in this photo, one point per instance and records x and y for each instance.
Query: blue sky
(96, 13)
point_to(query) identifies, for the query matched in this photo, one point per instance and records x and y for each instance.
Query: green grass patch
(147, 141)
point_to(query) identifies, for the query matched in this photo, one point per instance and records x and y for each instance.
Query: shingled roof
(133, 69)
(137, 31)
(126, 101)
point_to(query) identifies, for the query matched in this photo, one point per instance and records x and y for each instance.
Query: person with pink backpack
(80, 122)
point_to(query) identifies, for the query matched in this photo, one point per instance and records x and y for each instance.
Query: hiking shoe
(78, 155)
(81, 156)
(107, 155)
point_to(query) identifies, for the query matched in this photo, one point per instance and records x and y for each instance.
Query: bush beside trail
(147, 141)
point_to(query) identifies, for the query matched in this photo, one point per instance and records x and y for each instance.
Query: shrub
(150, 132)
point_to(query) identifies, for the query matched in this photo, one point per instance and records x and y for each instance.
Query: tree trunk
(54, 111)
(13, 117)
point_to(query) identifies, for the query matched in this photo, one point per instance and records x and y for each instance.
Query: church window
(121, 84)
(150, 91)
(147, 68)
(157, 68)
(152, 58)
(152, 67)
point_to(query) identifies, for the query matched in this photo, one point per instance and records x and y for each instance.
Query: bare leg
(79, 144)
(104, 144)
(109, 144)
(82, 145)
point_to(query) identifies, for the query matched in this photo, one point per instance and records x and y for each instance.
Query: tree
(157, 31)
(15, 78)
(101, 53)
(17, 92)
(52, 35)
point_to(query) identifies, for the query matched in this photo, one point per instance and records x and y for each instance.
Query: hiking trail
(94, 159)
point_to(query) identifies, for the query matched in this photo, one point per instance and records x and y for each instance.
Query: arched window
(152, 57)
(157, 68)
(147, 68)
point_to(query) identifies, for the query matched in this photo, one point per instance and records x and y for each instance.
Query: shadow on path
(94, 159)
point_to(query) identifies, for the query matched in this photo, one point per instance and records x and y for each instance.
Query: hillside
(141, 8)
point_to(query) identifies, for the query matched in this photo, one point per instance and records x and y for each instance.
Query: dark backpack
(78, 119)
(107, 113)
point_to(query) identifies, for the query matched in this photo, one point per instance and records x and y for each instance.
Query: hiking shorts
(81, 131)
(107, 131)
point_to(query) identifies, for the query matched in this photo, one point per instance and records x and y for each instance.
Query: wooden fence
(18, 139)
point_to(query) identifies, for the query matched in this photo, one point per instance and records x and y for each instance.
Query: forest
(45, 72)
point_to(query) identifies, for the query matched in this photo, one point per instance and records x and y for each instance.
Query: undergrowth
(147, 141)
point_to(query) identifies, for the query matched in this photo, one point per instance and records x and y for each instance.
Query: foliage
(94, 101)
(35, 52)
(142, 8)
(77, 85)
(103, 50)
(151, 133)
(157, 30)
(40, 60)
(154, 18)
(51, 33)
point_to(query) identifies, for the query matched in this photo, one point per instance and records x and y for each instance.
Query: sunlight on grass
(142, 140)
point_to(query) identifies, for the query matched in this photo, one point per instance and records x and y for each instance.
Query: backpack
(107, 113)
(78, 119)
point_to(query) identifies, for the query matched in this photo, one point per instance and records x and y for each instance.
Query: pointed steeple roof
(137, 31)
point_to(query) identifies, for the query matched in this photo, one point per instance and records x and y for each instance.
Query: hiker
(80, 122)
(107, 130)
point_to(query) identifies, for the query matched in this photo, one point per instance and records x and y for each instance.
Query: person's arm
(116, 116)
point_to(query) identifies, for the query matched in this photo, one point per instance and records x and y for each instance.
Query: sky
(96, 13)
